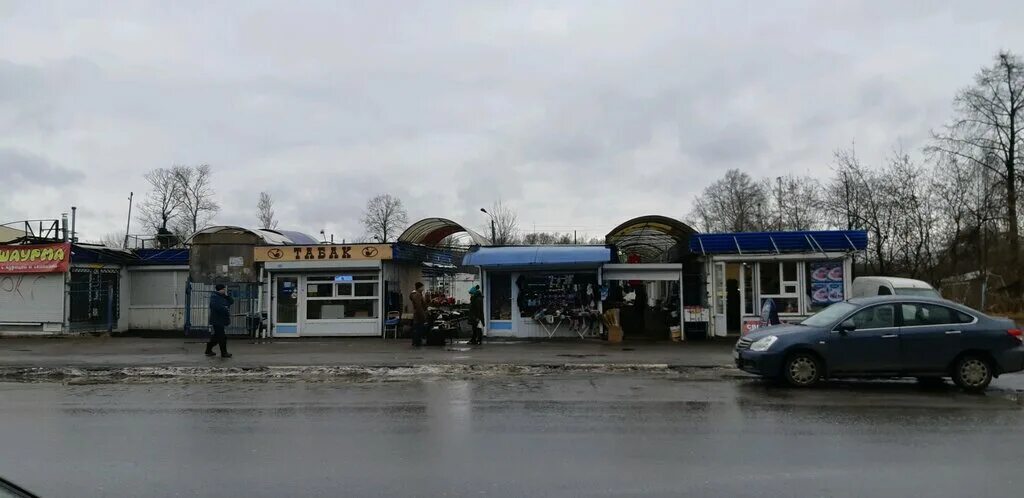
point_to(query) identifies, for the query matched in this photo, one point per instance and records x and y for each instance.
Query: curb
(379, 372)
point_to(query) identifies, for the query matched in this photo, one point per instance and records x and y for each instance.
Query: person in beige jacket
(419, 314)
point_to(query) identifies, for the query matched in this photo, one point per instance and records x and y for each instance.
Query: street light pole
(493, 236)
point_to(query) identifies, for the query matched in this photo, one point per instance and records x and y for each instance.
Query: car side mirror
(847, 327)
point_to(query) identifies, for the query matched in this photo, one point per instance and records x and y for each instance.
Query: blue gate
(245, 317)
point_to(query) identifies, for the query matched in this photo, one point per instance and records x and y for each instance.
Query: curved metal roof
(268, 237)
(431, 231)
(651, 237)
(295, 237)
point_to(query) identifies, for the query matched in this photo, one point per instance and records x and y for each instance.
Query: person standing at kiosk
(419, 314)
(476, 314)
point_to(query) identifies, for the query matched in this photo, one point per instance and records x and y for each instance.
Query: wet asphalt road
(572, 435)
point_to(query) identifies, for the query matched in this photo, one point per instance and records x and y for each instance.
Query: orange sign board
(326, 252)
(36, 258)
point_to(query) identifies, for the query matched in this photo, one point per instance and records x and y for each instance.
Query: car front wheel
(802, 370)
(972, 373)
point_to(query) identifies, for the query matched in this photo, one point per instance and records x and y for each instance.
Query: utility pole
(493, 231)
(128, 226)
(778, 202)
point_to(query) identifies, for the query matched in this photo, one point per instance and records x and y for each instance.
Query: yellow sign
(322, 252)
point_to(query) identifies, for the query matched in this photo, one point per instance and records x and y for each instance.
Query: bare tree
(894, 203)
(163, 202)
(988, 133)
(539, 238)
(559, 238)
(794, 203)
(914, 215)
(970, 203)
(195, 184)
(857, 199)
(265, 212)
(384, 218)
(506, 224)
(735, 203)
(112, 240)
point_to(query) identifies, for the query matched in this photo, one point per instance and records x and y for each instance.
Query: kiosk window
(338, 309)
(501, 296)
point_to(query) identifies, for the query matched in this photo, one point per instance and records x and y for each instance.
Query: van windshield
(917, 292)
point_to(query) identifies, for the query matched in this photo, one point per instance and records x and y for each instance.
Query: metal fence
(95, 299)
(245, 316)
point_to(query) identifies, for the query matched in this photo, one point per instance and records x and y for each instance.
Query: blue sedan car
(887, 336)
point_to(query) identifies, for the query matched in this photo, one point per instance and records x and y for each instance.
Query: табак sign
(322, 252)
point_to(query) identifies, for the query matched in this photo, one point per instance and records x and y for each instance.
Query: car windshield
(829, 315)
(918, 292)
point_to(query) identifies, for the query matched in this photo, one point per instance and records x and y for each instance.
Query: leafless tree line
(739, 203)
(950, 212)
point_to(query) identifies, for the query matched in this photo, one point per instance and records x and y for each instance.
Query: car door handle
(952, 332)
(889, 336)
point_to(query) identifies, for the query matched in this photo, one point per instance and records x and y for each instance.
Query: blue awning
(538, 256)
(779, 242)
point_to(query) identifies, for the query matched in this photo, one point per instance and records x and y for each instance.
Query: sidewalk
(107, 353)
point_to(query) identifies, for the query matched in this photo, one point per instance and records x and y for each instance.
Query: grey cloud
(39, 97)
(576, 113)
(21, 169)
(732, 145)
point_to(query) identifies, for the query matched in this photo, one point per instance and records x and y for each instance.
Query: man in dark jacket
(220, 317)
(419, 314)
(476, 314)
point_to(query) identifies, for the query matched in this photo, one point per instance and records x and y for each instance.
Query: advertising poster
(827, 282)
(40, 258)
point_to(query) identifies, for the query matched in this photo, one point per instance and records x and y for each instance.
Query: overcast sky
(579, 115)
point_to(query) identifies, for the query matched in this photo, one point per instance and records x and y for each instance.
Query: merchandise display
(554, 299)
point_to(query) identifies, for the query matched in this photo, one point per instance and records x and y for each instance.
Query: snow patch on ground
(412, 372)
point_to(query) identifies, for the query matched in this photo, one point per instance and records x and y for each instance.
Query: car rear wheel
(802, 370)
(972, 373)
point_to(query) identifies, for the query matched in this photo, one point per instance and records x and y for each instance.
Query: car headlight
(763, 343)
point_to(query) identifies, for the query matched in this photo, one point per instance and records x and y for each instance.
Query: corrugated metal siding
(33, 298)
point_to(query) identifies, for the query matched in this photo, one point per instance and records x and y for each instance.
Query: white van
(886, 286)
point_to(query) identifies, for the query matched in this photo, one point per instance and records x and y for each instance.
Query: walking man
(419, 315)
(220, 317)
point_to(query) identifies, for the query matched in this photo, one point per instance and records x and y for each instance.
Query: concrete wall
(462, 284)
(407, 274)
(153, 298)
